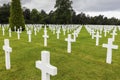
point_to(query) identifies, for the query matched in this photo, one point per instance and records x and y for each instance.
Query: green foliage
(16, 15)
(43, 17)
(34, 16)
(27, 16)
(64, 14)
(4, 13)
(63, 11)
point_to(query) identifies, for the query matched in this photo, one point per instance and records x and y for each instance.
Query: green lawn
(86, 62)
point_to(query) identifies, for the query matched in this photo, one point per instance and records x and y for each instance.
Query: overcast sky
(108, 8)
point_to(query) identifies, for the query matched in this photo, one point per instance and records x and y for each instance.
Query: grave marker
(15, 29)
(69, 40)
(113, 35)
(109, 47)
(35, 31)
(58, 33)
(9, 32)
(92, 33)
(64, 31)
(20, 29)
(18, 32)
(97, 38)
(105, 32)
(29, 35)
(45, 67)
(74, 35)
(7, 50)
(45, 36)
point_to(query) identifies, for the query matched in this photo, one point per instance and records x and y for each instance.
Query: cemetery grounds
(85, 62)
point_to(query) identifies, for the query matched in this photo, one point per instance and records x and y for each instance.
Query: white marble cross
(53, 30)
(35, 31)
(92, 33)
(15, 28)
(18, 32)
(64, 31)
(27, 29)
(45, 36)
(38, 29)
(105, 32)
(20, 29)
(3, 31)
(58, 33)
(45, 67)
(113, 35)
(97, 38)
(69, 40)
(7, 50)
(74, 35)
(9, 32)
(109, 47)
(29, 35)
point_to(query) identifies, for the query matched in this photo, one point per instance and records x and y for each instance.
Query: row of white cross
(43, 65)
(45, 36)
(29, 32)
(69, 39)
(109, 46)
(99, 36)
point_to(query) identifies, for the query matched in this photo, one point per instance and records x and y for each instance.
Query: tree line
(64, 14)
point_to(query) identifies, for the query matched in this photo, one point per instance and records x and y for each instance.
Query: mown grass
(86, 62)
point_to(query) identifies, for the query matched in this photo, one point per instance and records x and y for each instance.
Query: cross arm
(46, 36)
(105, 45)
(7, 48)
(115, 47)
(46, 68)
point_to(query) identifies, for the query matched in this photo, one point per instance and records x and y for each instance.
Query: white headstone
(20, 29)
(105, 32)
(113, 35)
(53, 30)
(27, 29)
(58, 33)
(69, 40)
(64, 31)
(7, 50)
(15, 29)
(92, 33)
(45, 36)
(35, 31)
(109, 47)
(74, 35)
(97, 38)
(18, 32)
(45, 67)
(29, 35)
(9, 32)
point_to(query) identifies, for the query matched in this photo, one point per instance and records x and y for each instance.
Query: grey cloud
(22, 1)
(4, 1)
(46, 5)
(96, 5)
(78, 5)
(25, 1)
